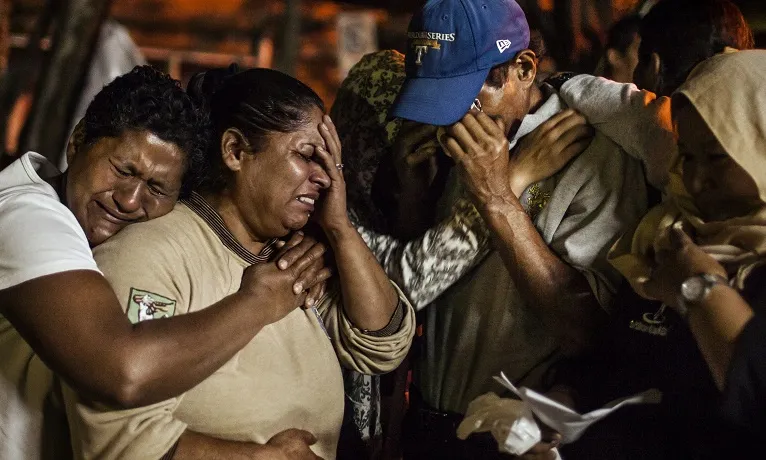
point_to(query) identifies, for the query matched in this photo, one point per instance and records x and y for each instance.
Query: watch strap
(714, 279)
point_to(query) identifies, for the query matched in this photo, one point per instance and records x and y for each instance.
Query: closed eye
(121, 172)
(156, 191)
(308, 157)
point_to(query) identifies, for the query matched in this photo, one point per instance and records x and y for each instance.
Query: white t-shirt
(38, 236)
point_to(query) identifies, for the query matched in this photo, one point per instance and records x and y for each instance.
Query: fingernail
(282, 264)
(298, 288)
(310, 301)
(280, 243)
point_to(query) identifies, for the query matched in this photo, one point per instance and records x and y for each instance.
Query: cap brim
(438, 101)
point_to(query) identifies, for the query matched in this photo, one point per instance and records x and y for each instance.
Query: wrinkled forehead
(141, 153)
(144, 142)
(307, 133)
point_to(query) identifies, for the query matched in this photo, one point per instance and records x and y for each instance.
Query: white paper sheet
(567, 422)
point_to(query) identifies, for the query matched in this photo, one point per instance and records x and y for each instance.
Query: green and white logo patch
(145, 305)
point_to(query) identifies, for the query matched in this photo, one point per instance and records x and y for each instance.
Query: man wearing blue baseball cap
(542, 292)
(451, 47)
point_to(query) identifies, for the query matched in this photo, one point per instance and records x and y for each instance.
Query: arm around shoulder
(636, 120)
(73, 321)
(427, 266)
(53, 294)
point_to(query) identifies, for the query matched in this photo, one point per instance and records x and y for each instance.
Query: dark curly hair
(257, 102)
(147, 99)
(684, 33)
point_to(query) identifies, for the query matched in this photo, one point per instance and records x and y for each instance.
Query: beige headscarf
(729, 93)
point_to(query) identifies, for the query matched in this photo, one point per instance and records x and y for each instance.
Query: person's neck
(536, 98)
(226, 207)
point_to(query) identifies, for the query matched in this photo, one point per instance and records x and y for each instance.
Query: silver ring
(339, 166)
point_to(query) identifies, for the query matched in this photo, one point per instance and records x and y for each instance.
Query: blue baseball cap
(451, 47)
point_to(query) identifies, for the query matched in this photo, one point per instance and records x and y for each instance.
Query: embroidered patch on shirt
(145, 305)
(537, 201)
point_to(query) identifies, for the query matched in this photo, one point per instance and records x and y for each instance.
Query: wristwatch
(696, 288)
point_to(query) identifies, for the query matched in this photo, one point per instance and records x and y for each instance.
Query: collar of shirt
(535, 198)
(211, 217)
(550, 107)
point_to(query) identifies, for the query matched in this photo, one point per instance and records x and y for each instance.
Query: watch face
(693, 289)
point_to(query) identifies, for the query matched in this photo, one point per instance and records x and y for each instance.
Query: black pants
(431, 434)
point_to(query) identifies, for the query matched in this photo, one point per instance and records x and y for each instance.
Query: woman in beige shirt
(274, 164)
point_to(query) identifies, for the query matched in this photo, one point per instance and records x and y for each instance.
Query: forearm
(100, 353)
(427, 266)
(716, 324)
(369, 299)
(636, 120)
(561, 293)
(203, 341)
(196, 446)
(603, 101)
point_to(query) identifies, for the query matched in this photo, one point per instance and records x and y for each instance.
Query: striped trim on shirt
(211, 217)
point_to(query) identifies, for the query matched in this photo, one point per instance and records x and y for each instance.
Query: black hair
(684, 33)
(499, 73)
(147, 99)
(622, 33)
(257, 102)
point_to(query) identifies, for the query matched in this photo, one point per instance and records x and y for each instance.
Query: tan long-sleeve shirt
(288, 376)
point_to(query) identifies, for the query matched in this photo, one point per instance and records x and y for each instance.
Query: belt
(433, 435)
(430, 419)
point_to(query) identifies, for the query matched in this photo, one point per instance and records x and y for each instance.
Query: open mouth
(306, 200)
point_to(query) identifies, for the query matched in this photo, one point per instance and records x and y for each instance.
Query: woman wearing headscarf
(689, 324)
(703, 252)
